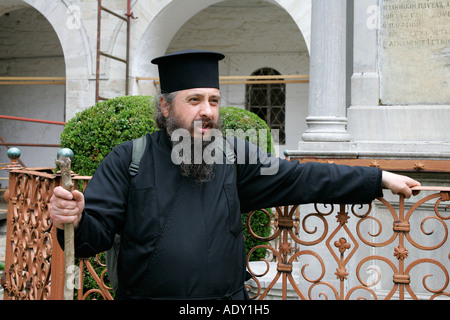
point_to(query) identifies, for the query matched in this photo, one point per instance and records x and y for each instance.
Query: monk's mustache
(204, 123)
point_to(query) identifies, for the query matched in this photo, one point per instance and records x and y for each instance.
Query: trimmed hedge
(94, 132)
(240, 120)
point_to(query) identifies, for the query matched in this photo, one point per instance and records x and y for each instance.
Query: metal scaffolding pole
(127, 19)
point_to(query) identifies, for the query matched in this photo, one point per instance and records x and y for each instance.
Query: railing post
(11, 199)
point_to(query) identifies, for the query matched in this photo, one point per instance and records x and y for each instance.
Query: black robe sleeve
(271, 181)
(262, 182)
(106, 198)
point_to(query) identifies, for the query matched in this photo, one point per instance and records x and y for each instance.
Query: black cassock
(182, 239)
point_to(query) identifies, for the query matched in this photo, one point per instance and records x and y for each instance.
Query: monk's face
(196, 110)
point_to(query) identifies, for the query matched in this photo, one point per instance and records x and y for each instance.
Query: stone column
(327, 119)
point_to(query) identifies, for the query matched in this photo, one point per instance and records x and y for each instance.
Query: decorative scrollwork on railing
(391, 273)
(34, 261)
(30, 241)
(102, 289)
(441, 197)
(251, 230)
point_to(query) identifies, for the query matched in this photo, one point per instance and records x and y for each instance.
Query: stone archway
(159, 32)
(170, 17)
(62, 15)
(31, 48)
(76, 63)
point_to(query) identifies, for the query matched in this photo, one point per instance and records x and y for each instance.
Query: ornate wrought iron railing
(392, 249)
(402, 245)
(34, 262)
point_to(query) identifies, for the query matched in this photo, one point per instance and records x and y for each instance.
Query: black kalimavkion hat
(188, 69)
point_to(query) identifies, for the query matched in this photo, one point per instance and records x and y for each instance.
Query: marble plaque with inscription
(415, 52)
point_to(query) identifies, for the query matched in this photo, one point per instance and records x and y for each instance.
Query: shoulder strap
(231, 156)
(229, 151)
(138, 150)
(112, 254)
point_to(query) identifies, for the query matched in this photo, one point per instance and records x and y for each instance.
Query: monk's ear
(165, 107)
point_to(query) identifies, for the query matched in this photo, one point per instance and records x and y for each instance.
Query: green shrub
(242, 121)
(94, 132)
(260, 224)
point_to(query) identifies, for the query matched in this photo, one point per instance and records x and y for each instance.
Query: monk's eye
(194, 100)
(214, 102)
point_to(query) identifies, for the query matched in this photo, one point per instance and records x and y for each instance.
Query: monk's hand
(400, 184)
(65, 207)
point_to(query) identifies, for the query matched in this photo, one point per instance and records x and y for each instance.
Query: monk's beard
(200, 172)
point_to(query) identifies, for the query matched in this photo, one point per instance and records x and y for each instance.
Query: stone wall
(399, 103)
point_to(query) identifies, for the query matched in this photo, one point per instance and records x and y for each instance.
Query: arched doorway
(30, 47)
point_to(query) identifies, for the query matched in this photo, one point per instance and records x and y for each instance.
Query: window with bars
(268, 101)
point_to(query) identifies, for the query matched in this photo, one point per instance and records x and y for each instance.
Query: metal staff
(64, 159)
